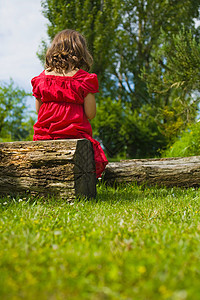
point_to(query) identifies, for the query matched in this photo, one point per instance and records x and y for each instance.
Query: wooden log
(63, 168)
(179, 171)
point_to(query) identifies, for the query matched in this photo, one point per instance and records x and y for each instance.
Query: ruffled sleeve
(36, 91)
(90, 85)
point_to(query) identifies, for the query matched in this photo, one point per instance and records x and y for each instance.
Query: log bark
(179, 171)
(62, 168)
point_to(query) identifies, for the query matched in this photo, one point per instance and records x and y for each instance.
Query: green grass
(131, 243)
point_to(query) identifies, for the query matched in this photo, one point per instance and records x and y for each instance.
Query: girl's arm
(38, 103)
(90, 106)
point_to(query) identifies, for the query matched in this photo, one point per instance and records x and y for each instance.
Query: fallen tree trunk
(179, 171)
(63, 168)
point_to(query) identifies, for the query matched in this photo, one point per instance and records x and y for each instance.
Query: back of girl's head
(68, 51)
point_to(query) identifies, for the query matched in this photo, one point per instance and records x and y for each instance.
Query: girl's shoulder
(82, 81)
(79, 75)
(82, 75)
(89, 83)
(38, 77)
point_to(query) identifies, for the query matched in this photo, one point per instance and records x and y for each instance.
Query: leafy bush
(15, 121)
(126, 134)
(186, 145)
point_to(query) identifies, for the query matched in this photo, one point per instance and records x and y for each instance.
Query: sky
(22, 27)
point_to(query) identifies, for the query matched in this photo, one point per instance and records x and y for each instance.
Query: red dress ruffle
(62, 116)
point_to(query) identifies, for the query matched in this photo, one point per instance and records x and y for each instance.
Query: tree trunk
(179, 171)
(63, 168)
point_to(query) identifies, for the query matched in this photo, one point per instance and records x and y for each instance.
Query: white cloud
(22, 27)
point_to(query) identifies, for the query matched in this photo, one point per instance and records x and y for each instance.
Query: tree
(138, 41)
(175, 77)
(176, 64)
(124, 37)
(13, 121)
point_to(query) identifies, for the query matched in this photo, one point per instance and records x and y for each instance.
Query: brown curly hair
(68, 51)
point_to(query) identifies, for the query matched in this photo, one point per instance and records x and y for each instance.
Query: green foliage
(138, 36)
(125, 132)
(174, 77)
(14, 123)
(146, 139)
(177, 61)
(188, 144)
(108, 126)
(131, 243)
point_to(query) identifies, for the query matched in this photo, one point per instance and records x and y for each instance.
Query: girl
(64, 92)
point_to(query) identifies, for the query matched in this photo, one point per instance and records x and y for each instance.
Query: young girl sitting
(64, 92)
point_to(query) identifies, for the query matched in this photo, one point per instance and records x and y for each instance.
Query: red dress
(62, 116)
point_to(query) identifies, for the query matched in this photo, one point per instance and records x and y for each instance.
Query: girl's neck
(69, 72)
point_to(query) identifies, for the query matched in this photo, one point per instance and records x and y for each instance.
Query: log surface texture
(179, 171)
(64, 168)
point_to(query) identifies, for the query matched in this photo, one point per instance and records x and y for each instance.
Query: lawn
(130, 243)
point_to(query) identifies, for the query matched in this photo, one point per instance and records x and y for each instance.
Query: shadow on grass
(121, 193)
(134, 192)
